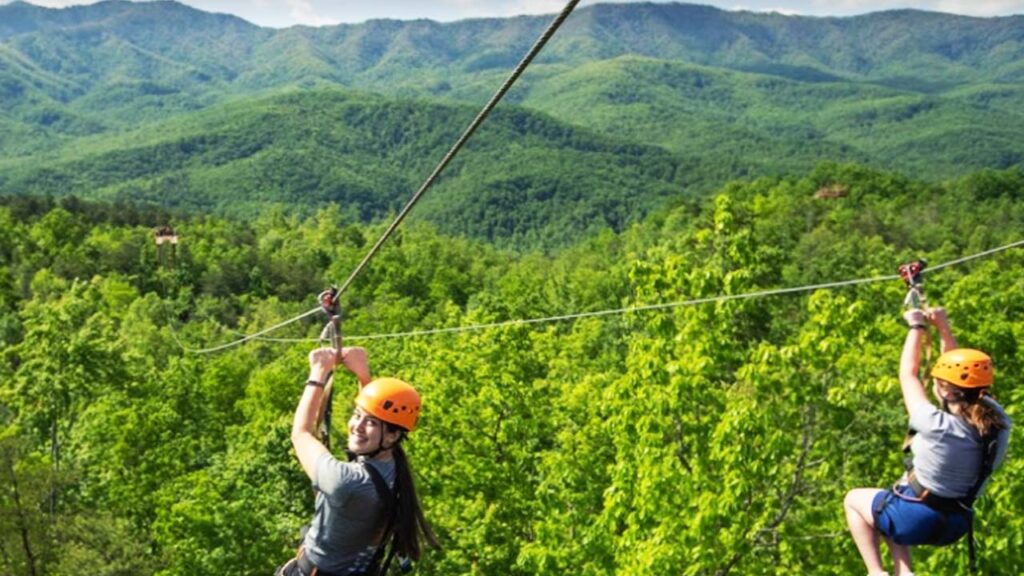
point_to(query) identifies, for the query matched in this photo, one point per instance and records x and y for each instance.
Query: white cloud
(776, 9)
(460, 4)
(981, 7)
(303, 12)
(539, 6)
(61, 3)
(965, 7)
(282, 13)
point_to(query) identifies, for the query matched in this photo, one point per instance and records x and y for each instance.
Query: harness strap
(990, 445)
(389, 498)
(936, 502)
(331, 332)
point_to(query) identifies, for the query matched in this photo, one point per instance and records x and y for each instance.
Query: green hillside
(763, 124)
(524, 178)
(716, 115)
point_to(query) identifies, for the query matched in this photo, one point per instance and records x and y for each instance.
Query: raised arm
(308, 447)
(939, 319)
(910, 360)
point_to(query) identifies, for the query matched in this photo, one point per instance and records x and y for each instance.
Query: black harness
(388, 497)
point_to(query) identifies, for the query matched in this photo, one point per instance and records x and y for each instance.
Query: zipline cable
(484, 113)
(650, 307)
(552, 28)
(931, 269)
(247, 337)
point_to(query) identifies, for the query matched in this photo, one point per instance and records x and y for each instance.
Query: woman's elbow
(909, 377)
(299, 434)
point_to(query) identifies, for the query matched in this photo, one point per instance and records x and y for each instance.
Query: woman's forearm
(940, 320)
(305, 419)
(308, 447)
(910, 361)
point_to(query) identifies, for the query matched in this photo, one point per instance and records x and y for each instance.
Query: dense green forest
(707, 439)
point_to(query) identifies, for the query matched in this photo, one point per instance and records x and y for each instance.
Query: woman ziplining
(369, 500)
(364, 504)
(954, 449)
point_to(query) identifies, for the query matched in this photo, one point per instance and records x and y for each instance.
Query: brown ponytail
(985, 419)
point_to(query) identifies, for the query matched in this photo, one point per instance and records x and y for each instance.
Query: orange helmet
(392, 401)
(964, 368)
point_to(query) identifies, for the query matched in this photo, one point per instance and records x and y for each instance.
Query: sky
(285, 13)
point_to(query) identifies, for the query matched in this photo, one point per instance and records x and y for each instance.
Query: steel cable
(650, 307)
(491, 104)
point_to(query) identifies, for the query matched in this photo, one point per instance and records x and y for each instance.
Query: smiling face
(367, 433)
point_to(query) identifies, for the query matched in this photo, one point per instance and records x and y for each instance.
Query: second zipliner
(952, 448)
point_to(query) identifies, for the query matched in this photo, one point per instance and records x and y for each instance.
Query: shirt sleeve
(334, 478)
(928, 420)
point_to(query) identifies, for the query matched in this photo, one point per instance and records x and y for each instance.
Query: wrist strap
(314, 383)
(917, 326)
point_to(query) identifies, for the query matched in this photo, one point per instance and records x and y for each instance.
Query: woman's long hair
(411, 527)
(973, 408)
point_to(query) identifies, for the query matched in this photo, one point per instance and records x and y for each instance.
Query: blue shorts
(912, 523)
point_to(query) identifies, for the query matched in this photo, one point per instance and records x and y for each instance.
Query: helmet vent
(388, 404)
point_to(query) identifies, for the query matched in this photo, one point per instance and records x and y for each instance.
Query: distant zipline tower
(166, 255)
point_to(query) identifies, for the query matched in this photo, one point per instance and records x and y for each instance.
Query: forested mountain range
(524, 174)
(720, 94)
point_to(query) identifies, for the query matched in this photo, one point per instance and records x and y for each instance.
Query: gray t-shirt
(948, 451)
(349, 520)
